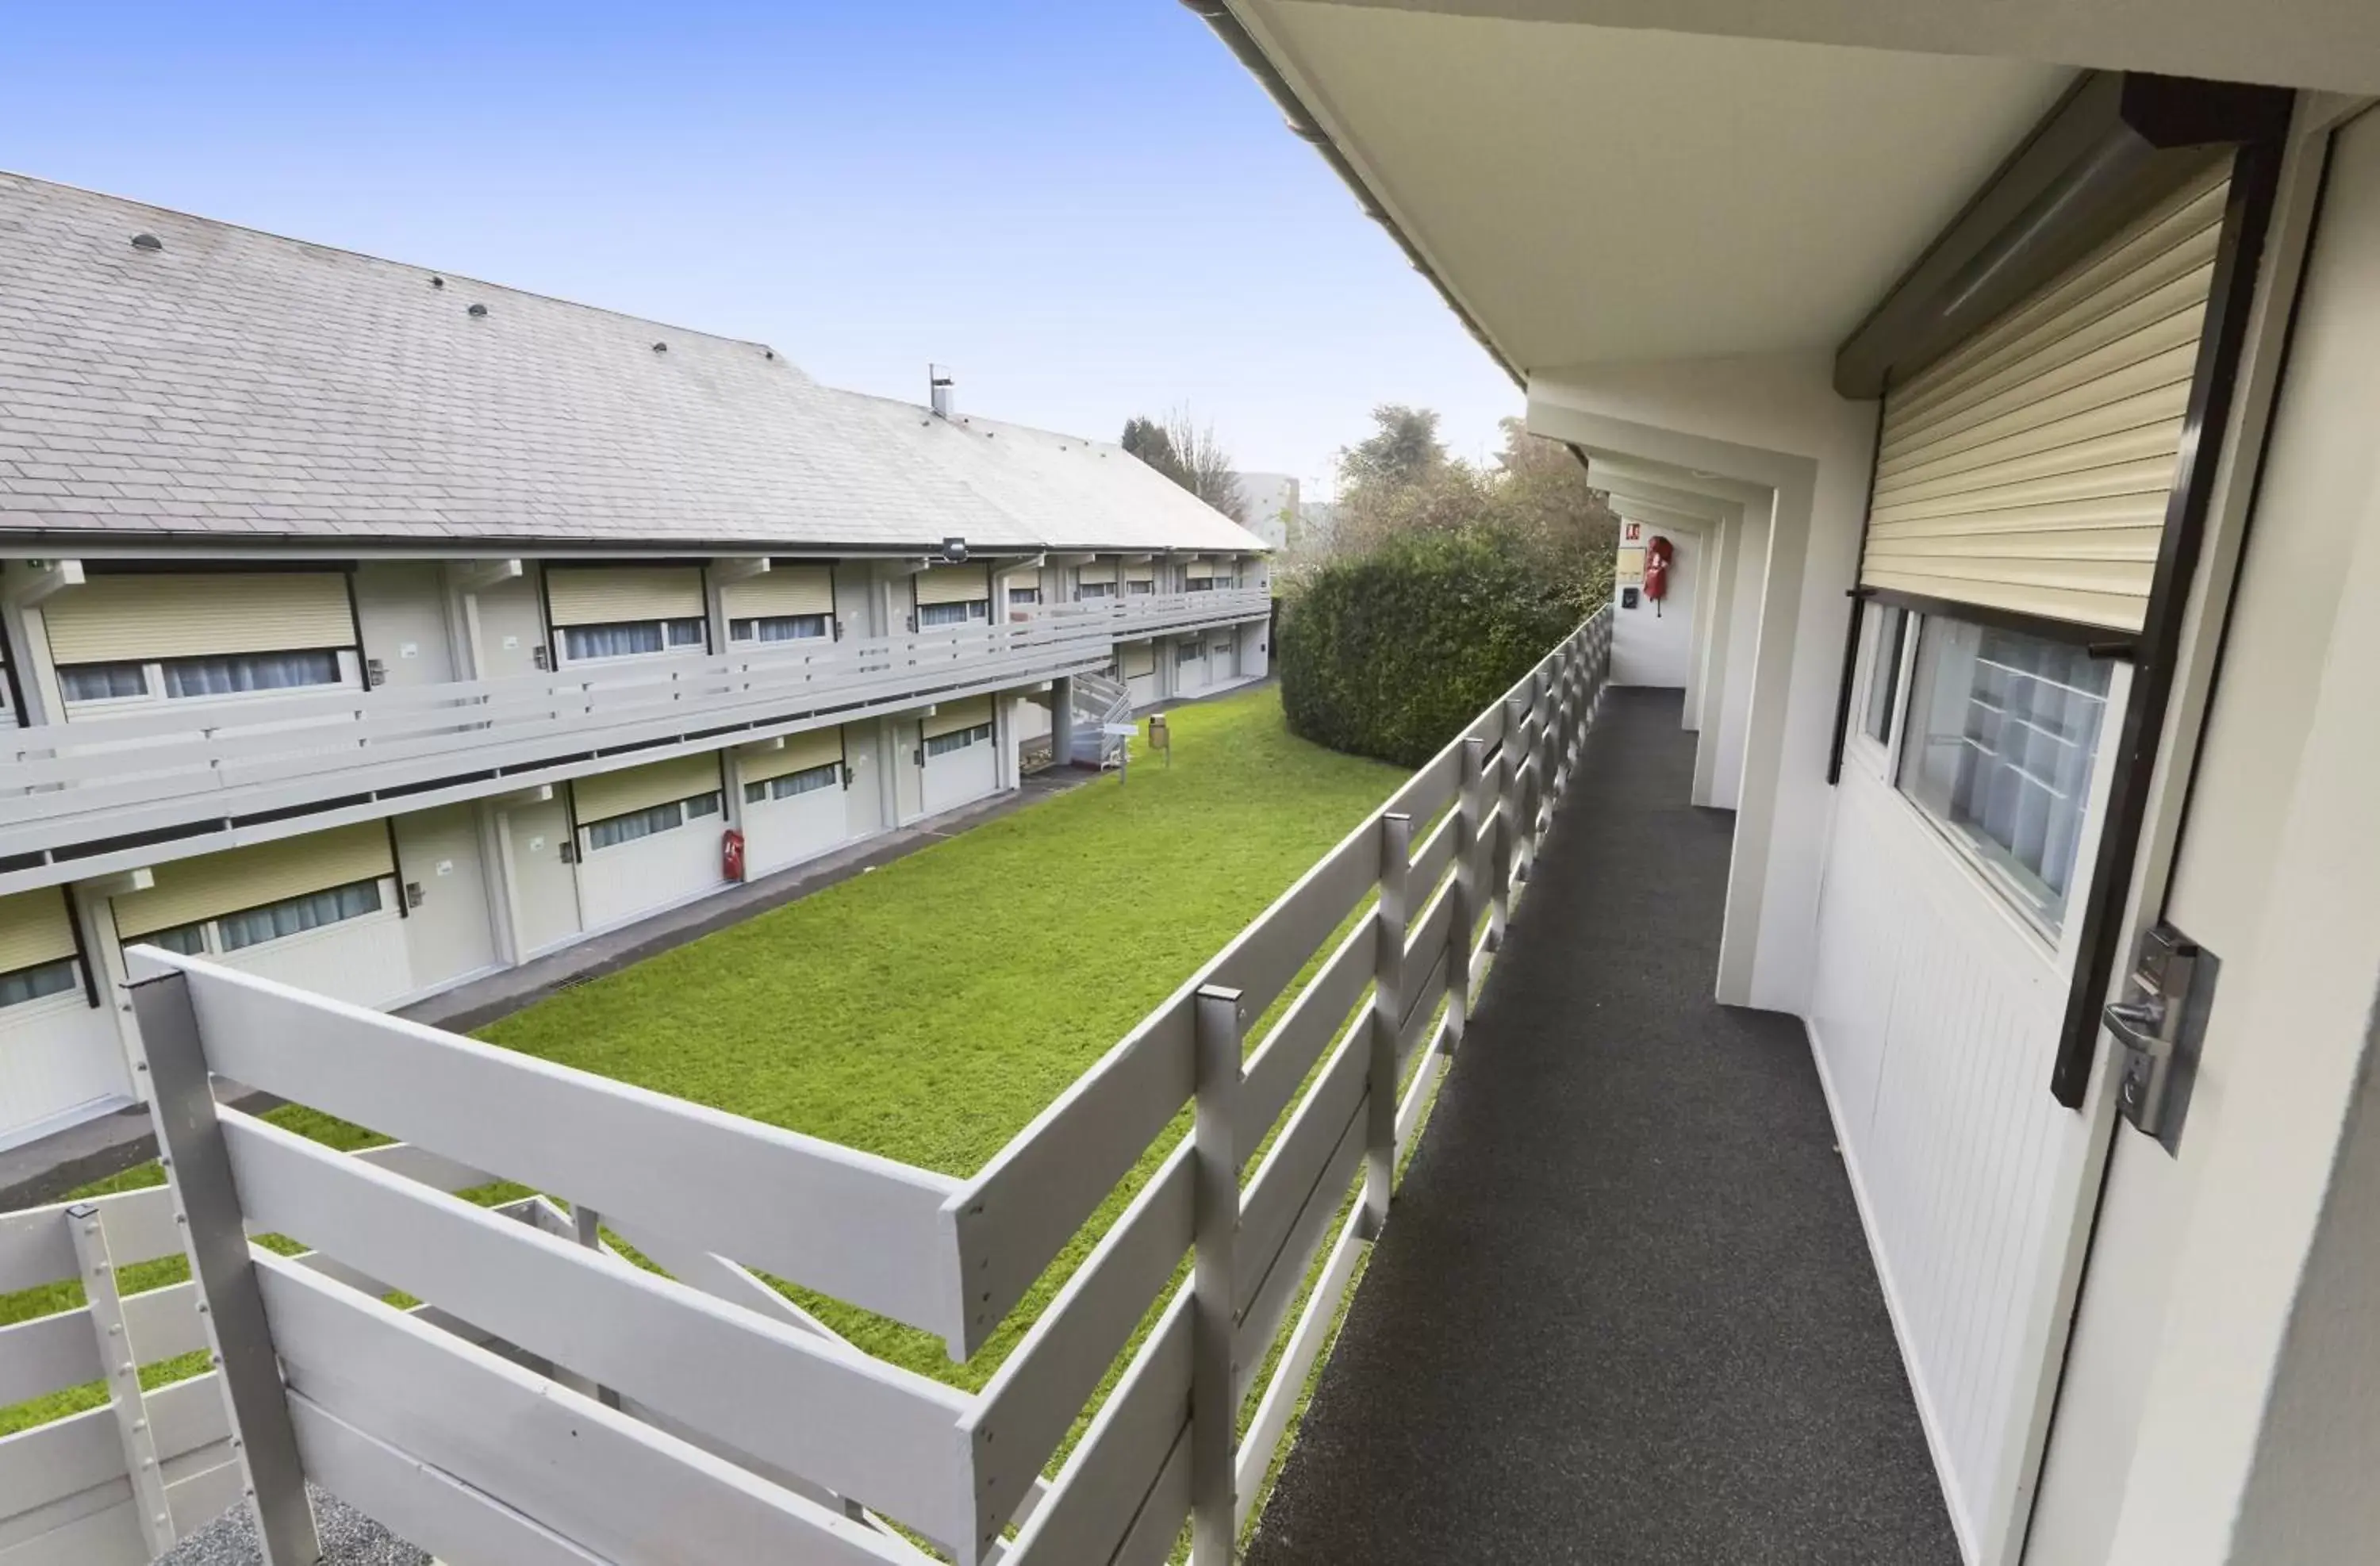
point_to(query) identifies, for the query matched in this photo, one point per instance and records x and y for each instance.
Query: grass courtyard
(928, 1010)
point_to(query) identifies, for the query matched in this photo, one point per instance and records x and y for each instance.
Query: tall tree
(1404, 451)
(1187, 452)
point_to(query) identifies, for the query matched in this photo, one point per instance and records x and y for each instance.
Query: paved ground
(1623, 1312)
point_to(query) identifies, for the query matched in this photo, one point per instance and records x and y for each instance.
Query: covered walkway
(1624, 1311)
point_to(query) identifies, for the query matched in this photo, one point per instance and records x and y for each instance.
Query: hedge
(1392, 653)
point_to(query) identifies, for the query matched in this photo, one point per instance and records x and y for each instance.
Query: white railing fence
(594, 1410)
(124, 775)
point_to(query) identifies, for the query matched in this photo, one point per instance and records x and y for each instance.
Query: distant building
(1269, 507)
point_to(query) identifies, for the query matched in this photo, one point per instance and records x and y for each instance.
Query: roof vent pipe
(938, 389)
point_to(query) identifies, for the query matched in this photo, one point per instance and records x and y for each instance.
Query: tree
(1187, 452)
(1404, 453)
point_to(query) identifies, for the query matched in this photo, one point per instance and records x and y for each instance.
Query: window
(627, 639)
(40, 980)
(1884, 672)
(1201, 584)
(931, 614)
(958, 739)
(190, 940)
(778, 628)
(1135, 589)
(1997, 748)
(294, 916)
(808, 781)
(1089, 590)
(1019, 598)
(1225, 583)
(1188, 652)
(613, 831)
(174, 678)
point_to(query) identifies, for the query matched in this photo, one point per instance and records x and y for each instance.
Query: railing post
(587, 1224)
(1387, 1020)
(206, 1204)
(1508, 773)
(122, 1377)
(1214, 1410)
(1466, 890)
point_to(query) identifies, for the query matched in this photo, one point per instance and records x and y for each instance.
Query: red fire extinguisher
(1657, 570)
(730, 855)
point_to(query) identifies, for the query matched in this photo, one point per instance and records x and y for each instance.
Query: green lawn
(928, 1010)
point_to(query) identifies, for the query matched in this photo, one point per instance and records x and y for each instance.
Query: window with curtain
(809, 780)
(1090, 590)
(103, 681)
(613, 831)
(1135, 589)
(959, 739)
(1200, 585)
(294, 916)
(778, 628)
(933, 615)
(249, 671)
(1021, 598)
(39, 981)
(190, 940)
(1997, 750)
(1188, 652)
(628, 638)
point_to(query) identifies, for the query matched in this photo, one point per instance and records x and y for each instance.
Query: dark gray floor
(1623, 1311)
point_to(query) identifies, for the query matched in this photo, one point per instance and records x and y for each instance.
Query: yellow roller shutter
(1145, 575)
(1139, 658)
(198, 614)
(799, 754)
(584, 595)
(2029, 469)
(953, 584)
(641, 788)
(956, 715)
(214, 884)
(1199, 570)
(1099, 571)
(782, 590)
(34, 928)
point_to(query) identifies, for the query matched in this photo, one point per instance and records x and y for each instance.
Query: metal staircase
(1100, 700)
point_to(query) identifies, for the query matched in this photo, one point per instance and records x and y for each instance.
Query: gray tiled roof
(236, 386)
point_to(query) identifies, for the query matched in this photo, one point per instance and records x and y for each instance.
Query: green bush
(1390, 653)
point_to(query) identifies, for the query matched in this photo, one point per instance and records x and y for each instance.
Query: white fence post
(1214, 1408)
(206, 1203)
(1387, 1020)
(1508, 769)
(123, 1367)
(1465, 889)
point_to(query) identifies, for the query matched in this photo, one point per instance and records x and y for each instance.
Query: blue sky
(1088, 210)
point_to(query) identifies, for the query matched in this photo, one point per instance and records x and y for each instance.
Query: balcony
(91, 798)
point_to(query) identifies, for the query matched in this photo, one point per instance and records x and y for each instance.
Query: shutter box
(641, 788)
(214, 884)
(1099, 571)
(159, 615)
(799, 754)
(2030, 468)
(1139, 658)
(955, 583)
(782, 590)
(34, 930)
(584, 595)
(957, 715)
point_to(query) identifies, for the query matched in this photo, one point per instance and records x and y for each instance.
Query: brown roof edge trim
(2113, 144)
(1302, 122)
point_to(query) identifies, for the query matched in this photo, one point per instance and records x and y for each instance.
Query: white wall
(1652, 644)
(1772, 422)
(58, 1056)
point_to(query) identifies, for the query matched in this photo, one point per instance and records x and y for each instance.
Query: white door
(544, 888)
(401, 615)
(619, 882)
(2313, 503)
(863, 802)
(780, 832)
(442, 878)
(505, 627)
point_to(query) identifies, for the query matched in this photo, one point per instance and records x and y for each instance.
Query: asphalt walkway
(1623, 1311)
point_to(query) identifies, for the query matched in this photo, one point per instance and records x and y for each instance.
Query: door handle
(2139, 1025)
